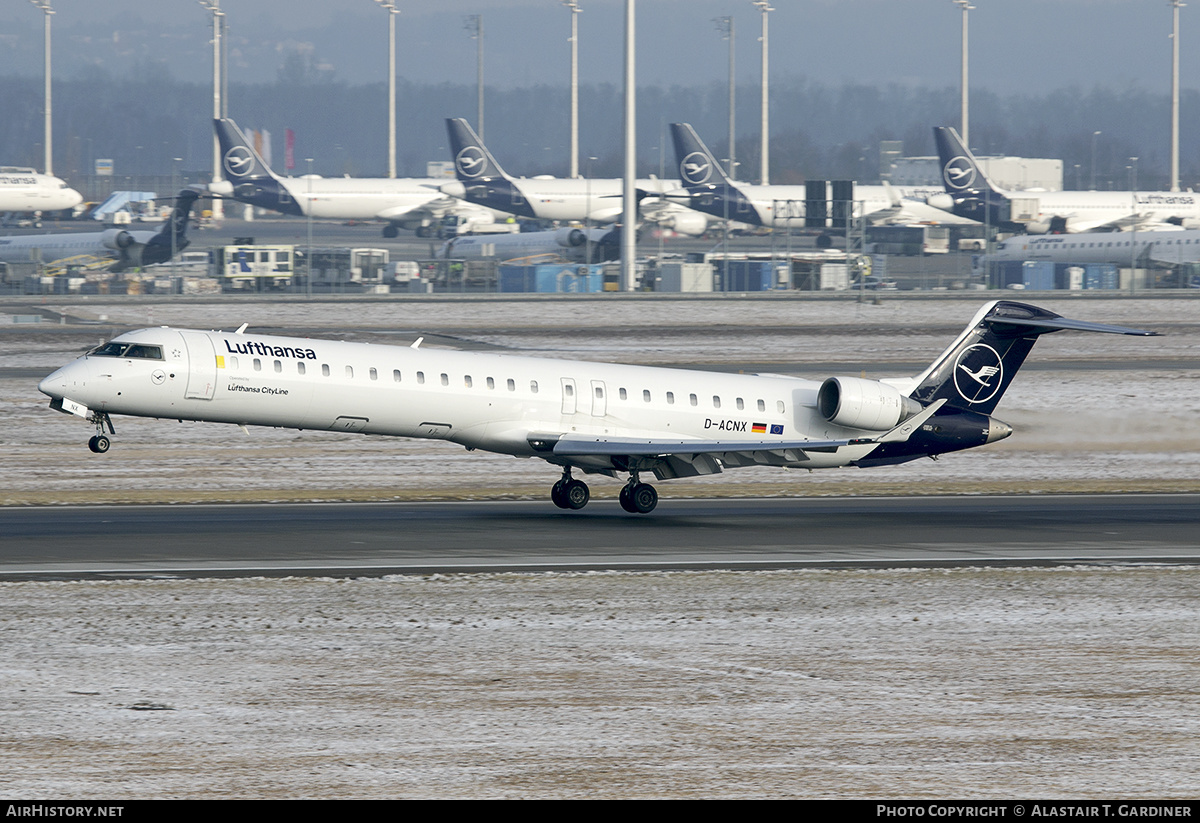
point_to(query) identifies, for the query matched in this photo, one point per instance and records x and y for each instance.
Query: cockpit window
(138, 350)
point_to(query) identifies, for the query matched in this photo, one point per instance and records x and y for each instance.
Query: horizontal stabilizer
(1045, 325)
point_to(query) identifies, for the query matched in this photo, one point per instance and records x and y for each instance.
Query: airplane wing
(435, 205)
(696, 456)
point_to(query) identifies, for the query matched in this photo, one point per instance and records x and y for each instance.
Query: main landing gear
(100, 442)
(570, 494)
(635, 497)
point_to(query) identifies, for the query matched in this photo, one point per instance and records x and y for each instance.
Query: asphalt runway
(382, 538)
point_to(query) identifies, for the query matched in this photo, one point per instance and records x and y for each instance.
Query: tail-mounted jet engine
(116, 239)
(864, 404)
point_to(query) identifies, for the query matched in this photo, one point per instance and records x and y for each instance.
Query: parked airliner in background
(409, 203)
(598, 418)
(969, 193)
(24, 190)
(573, 245)
(483, 182)
(1165, 248)
(129, 249)
(707, 188)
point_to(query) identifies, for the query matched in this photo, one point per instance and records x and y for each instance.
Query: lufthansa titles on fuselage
(250, 347)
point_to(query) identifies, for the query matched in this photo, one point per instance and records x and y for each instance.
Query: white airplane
(483, 182)
(596, 417)
(707, 188)
(969, 193)
(574, 245)
(128, 249)
(1166, 248)
(410, 203)
(24, 190)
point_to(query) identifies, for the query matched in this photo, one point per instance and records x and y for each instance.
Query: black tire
(424, 232)
(99, 444)
(626, 500)
(390, 231)
(557, 496)
(644, 498)
(576, 494)
(92, 443)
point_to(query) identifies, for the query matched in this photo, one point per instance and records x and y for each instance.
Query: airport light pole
(1095, 134)
(215, 7)
(474, 27)
(966, 129)
(726, 27)
(764, 151)
(573, 5)
(48, 162)
(629, 198)
(1175, 6)
(1133, 225)
(392, 11)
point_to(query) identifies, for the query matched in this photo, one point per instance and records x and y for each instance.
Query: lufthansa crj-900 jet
(597, 418)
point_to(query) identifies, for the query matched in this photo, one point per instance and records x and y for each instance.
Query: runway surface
(358, 539)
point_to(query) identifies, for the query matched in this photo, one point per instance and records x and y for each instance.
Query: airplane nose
(52, 384)
(455, 189)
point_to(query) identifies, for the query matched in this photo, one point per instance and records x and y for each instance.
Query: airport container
(1037, 275)
(551, 278)
(674, 276)
(1100, 276)
(745, 275)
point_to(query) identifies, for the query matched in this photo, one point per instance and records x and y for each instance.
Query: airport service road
(356, 539)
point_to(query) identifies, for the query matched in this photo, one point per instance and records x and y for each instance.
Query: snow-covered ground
(973, 683)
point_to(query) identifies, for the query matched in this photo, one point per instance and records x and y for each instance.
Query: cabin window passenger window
(396, 375)
(491, 384)
(300, 368)
(569, 390)
(467, 381)
(741, 404)
(716, 402)
(624, 394)
(445, 379)
(325, 369)
(350, 372)
(233, 363)
(257, 364)
(762, 406)
(670, 398)
(374, 374)
(646, 395)
(779, 406)
(599, 393)
(512, 384)
(533, 386)
(278, 367)
(695, 401)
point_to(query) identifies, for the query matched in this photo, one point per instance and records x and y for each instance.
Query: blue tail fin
(960, 170)
(973, 373)
(240, 162)
(158, 249)
(697, 166)
(472, 161)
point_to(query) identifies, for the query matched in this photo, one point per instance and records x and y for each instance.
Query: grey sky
(1017, 45)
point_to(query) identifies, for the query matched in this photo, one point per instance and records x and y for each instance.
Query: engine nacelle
(691, 223)
(570, 237)
(1037, 227)
(116, 239)
(941, 201)
(864, 404)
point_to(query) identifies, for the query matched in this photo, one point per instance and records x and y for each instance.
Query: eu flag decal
(776, 429)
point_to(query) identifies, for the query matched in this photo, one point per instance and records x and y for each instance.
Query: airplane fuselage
(24, 190)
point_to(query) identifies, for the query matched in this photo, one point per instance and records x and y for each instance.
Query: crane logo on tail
(959, 173)
(978, 373)
(470, 162)
(238, 161)
(695, 169)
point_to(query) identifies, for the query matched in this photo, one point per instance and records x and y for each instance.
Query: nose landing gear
(99, 443)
